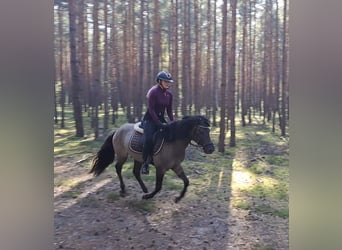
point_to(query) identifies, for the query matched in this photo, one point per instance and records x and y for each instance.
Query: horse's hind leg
(136, 172)
(159, 182)
(118, 167)
(180, 173)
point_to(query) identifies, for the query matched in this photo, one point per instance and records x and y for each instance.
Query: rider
(159, 99)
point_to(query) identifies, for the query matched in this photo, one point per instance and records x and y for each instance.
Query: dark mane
(181, 129)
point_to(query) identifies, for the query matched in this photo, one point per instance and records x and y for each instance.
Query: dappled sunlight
(241, 179)
(63, 204)
(67, 184)
(220, 179)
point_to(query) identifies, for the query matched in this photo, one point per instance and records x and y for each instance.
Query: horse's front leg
(180, 173)
(136, 172)
(159, 182)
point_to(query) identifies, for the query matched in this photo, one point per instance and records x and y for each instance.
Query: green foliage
(278, 160)
(246, 205)
(142, 205)
(262, 191)
(267, 209)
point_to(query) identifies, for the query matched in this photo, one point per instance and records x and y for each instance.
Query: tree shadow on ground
(91, 215)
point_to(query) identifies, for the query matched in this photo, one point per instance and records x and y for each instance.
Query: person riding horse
(159, 99)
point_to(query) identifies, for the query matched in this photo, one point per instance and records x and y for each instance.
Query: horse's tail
(104, 157)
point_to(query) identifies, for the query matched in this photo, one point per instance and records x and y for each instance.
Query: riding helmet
(165, 76)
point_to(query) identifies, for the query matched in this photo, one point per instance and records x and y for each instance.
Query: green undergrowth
(261, 171)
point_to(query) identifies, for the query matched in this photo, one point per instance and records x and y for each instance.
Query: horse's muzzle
(209, 148)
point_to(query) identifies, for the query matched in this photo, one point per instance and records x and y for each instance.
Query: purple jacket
(159, 100)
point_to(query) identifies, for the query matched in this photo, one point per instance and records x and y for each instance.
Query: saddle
(137, 139)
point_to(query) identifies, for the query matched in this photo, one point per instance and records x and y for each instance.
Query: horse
(175, 137)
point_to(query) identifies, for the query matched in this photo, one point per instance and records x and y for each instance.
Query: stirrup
(145, 169)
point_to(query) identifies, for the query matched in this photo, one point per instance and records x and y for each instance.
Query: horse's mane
(181, 129)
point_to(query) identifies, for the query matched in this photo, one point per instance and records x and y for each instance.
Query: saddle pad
(136, 143)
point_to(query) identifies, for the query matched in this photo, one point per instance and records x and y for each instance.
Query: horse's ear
(203, 121)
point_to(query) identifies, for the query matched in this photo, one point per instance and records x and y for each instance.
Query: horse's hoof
(177, 199)
(145, 191)
(147, 196)
(123, 193)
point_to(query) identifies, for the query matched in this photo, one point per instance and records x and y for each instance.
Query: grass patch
(173, 184)
(260, 246)
(277, 191)
(245, 205)
(268, 209)
(278, 160)
(71, 194)
(142, 205)
(69, 183)
(258, 168)
(112, 197)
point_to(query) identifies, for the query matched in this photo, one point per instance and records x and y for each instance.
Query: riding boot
(145, 168)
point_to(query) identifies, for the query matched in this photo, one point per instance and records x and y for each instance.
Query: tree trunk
(215, 66)
(197, 71)
(243, 64)
(96, 69)
(174, 54)
(186, 59)
(105, 69)
(75, 69)
(231, 82)
(222, 135)
(284, 96)
(156, 38)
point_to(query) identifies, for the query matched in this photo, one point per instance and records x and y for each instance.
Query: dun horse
(168, 155)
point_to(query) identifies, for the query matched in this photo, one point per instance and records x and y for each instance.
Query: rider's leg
(149, 129)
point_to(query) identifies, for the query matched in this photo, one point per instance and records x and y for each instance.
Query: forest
(229, 60)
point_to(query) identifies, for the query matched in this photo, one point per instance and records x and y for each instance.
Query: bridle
(197, 145)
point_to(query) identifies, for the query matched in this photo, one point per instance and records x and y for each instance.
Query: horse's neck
(182, 143)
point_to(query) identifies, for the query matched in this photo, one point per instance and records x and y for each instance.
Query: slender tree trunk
(243, 64)
(105, 68)
(96, 70)
(231, 83)
(174, 53)
(141, 67)
(209, 101)
(222, 135)
(284, 96)
(86, 82)
(215, 66)
(61, 65)
(186, 60)
(75, 69)
(156, 38)
(114, 65)
(197, 71)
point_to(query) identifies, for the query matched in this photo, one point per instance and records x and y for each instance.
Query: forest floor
(236, 200)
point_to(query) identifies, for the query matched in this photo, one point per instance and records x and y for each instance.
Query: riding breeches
(149, 129)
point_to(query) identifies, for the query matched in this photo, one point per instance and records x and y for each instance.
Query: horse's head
(201, 134)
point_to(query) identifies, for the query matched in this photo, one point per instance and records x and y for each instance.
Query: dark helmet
(164, 76)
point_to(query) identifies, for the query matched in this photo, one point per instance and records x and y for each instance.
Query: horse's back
(122, 137)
